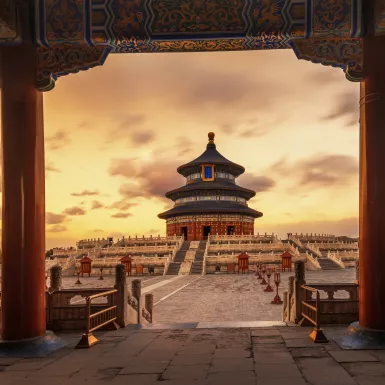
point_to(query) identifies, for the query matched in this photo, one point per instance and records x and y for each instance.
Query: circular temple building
(210, 202)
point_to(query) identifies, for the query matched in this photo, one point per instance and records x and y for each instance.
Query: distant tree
(49, 253)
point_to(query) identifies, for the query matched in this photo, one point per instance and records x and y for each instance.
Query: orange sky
(116, 134)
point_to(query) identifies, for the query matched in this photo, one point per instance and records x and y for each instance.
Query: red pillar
(372, 186)
(23, 197)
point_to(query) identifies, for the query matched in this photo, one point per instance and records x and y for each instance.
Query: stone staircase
(174, 266)
(324, 261)
(327, 263)
(197, 265)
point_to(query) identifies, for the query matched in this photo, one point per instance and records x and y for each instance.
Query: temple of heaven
(210, 202)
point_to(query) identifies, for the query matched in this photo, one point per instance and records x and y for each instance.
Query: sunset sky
(116, 134)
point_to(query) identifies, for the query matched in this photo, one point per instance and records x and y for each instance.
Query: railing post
(121, 295)
(149, 305)
(299, 293)
(317, 335)
(137, 292)
(56, 274)
(88, 339)
(285, 308)
(290, 299)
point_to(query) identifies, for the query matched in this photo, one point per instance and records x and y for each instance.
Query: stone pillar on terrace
(121, 295)
(56, 276)
(23, 192)
(298, 293)
(372, 183)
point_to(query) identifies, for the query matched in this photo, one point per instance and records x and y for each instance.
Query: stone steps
(173, 268)
(196, 267)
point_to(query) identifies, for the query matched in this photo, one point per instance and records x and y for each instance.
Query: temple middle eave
(210, 207)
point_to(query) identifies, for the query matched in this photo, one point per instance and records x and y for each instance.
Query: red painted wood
(23, 197)
(372, 186)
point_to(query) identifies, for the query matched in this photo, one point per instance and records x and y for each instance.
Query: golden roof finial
(211, 137)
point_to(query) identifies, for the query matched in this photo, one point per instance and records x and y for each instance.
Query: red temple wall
(195, 229)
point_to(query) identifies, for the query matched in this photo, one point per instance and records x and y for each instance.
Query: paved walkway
(244, 356)
(234, 297)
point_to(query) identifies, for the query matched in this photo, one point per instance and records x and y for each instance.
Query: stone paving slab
(199, 357)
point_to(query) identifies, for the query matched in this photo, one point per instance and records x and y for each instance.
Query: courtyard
(222, 298)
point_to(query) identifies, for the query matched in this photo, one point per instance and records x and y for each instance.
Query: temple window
(207, 172)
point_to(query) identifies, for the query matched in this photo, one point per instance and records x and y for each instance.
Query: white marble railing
(311, 237)
(335, 257)
(313, 262)
(243, 237)
(247, 246)
(65, 251)
(137, 249)
(293, 249)
(348, 254)
(314, 249)
(337, 245)
(295, 240)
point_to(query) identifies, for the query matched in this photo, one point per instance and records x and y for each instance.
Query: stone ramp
(226, 356)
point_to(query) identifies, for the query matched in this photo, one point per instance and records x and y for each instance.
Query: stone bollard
(56, 276)
(285, 307)
(121, 295)
(149, 305)
(299, 294)
(137, 292)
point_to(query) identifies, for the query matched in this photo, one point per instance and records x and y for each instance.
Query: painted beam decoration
(322, 31)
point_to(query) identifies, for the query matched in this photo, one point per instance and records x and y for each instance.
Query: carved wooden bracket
(66, 59)
(9, 24)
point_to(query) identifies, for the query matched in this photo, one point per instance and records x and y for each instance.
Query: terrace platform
(198, 356)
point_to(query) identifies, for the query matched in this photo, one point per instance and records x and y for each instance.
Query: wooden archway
(36, 50)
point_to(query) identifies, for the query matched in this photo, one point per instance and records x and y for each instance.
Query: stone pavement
(213, 298)
(235, 297)
(227, 356)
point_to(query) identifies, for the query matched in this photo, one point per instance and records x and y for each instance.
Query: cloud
(142, 137)
(256, 183)
(54, 219)
(49, 167)
(153, 231)
(74, 211)
(59, 140)
(122, 205)
(98, 231)
(85, 193)
(147, 179)
(319, 170)
(121, 215)
(57, 229)
(96, 205)
(347, 107)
